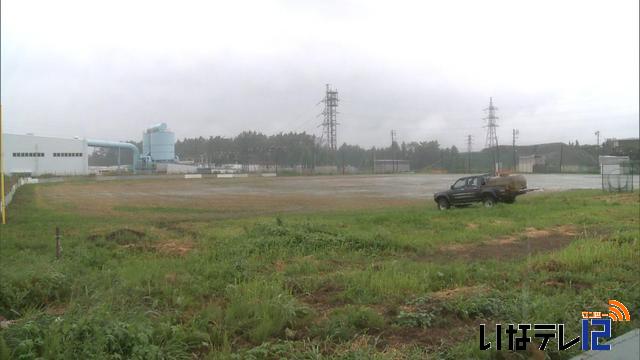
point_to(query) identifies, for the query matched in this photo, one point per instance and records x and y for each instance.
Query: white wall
(47, 163)
(170, 168)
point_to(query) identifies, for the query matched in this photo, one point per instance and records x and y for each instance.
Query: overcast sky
(557, 70)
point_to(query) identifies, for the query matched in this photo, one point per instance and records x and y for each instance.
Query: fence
(9, 195)
(618, 177)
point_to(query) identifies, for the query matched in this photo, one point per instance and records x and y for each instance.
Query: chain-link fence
(619, 176)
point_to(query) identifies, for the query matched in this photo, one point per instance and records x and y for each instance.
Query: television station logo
(595, 325)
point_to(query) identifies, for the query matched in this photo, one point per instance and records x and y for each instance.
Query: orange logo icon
(617, 311)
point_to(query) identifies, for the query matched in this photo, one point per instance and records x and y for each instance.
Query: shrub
(258, 310)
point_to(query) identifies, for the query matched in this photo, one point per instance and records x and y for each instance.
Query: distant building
(39, 155)
(623, 147)
(530, 163)
(391, 166)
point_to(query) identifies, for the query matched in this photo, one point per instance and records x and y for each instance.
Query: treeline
(292, 149)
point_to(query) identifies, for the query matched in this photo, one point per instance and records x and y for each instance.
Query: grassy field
(398, 280)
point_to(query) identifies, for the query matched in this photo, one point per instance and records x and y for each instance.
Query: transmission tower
(469, 143)
(330, 123)
(492, 137)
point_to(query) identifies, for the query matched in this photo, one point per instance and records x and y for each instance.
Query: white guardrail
(9, 196)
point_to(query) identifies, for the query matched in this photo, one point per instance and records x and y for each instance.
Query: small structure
(612, 164)
(530, 163)
(390, 166)
(616, 173)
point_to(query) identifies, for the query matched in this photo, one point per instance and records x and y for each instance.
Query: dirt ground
(222, 197)
(257, 195)
(530, 242)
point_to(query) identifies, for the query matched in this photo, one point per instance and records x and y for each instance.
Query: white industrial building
(40, 155)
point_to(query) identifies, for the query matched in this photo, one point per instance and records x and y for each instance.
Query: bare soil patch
(124, 236)
(529, 242)
(135, 240)
(622, 198)
(174, 247)
(462, 291)
(324, 299)
(432, 337)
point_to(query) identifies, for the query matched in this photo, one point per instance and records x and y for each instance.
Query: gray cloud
(431, 89)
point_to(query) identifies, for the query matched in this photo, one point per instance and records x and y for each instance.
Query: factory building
(39, 155)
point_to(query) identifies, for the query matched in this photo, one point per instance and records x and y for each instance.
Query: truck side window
(460, 184)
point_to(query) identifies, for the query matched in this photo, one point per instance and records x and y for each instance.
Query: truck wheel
(443, 204)
(488, 201)
(510, 200)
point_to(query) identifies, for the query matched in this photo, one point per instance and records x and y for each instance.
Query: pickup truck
(482, 188)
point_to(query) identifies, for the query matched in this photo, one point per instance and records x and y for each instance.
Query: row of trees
(302, 149)
(292, 149)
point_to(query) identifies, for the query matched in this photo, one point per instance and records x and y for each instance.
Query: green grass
(345, 285)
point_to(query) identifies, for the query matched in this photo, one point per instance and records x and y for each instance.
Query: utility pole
(394, 166)
(373, 160)
(3, 206)
(469, 142)
(516, 132)
(492, 137)
(561, 155)
(313, 156)
(598, 145)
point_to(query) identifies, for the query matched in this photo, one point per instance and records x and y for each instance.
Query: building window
(65, 154)
(30, 154)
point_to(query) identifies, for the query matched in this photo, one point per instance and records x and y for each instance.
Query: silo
(159, 143)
